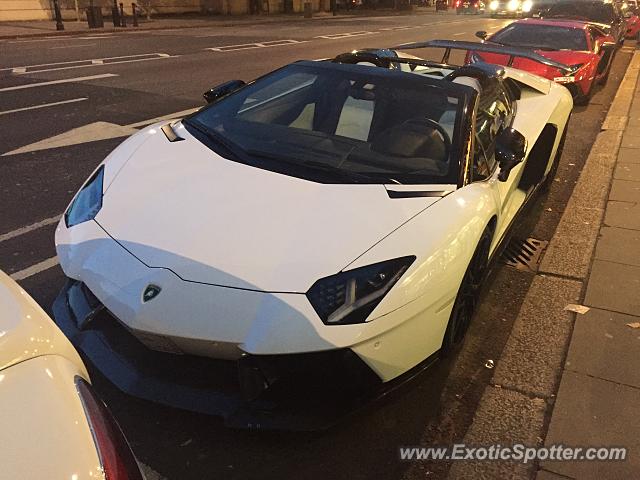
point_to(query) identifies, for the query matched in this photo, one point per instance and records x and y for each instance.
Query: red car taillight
(115, 454)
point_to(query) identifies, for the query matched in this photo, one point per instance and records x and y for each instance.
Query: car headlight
(513, 5)
(349, 297)
(493, 5)
(527, 5)
(88, 201)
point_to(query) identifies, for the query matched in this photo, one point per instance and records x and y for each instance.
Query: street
(66, 102)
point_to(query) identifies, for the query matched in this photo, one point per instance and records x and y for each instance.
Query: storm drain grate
(524, 254)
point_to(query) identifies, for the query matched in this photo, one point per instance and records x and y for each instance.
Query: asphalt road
(127, 79)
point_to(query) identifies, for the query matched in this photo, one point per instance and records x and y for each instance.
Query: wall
(15, 10)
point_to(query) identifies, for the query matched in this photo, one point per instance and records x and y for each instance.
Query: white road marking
(93, 132)
(458, 34)
(29, 228)
(391, 29)
(48, 39)
(91, 62)
(55, 82)
(87, 133)
(249, 46)
(170, 116)
(35, 269)
(73, 46)
(44, 105)
(337, 36)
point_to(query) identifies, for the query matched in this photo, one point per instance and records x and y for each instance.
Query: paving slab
(619, 245)
(604, 346)
(625, 190)
(629, 155)
(504, 417)
(531, 362)
(569, 251)
(546, 475)
(623, 214)
(590, 412)
(614, 286)
(631, 138)
(627, 171)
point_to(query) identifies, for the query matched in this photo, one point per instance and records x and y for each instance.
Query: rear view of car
(510, 8)
(53, 424)
(606, 14)
(474, 7)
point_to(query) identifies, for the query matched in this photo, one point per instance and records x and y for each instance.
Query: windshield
(545, 37)
(338, 124)
(593, 12)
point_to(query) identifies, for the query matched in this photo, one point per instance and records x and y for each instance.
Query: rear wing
(512, 52)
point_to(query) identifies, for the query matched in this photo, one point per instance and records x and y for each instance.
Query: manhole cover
(524, 254)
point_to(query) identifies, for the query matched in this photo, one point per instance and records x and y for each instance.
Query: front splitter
(309, 391)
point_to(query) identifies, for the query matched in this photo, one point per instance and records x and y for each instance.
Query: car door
(496, 112)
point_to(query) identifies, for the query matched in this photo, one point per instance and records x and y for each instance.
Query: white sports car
(52, 423)
(329, 223)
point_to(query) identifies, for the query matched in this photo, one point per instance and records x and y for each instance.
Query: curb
(214, 23)
(526, 380)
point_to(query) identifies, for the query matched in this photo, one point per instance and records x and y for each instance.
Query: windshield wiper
(313, 165)
(348, 174)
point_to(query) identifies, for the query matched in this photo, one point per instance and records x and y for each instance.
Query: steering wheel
(437, 127)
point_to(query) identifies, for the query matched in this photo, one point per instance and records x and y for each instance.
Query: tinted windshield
(542, 36)
(594, 12)
(339, 124)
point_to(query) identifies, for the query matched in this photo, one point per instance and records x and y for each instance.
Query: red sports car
(632, 18)
(582, 46)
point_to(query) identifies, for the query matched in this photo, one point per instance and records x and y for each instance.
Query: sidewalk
(598, 401)
(590, 397)
(46, 28)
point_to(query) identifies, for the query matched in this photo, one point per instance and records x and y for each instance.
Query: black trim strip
(170, 133)
(418, 193)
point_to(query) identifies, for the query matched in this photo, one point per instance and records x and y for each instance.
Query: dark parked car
(608, 15)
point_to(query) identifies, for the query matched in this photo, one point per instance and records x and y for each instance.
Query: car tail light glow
(114, 452)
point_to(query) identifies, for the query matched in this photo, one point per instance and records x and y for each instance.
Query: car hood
(178, 205)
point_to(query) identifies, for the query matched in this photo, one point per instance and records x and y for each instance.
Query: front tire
(468, 295)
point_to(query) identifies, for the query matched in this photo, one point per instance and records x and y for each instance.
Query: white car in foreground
(52, 425)
(329, 223)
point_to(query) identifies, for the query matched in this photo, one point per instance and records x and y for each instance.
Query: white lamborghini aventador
(333, 216)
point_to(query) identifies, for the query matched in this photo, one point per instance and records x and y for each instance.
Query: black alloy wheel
(468, 296)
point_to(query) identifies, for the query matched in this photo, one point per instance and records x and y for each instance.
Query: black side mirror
(481, 34)
(216, 93)
(511, 147)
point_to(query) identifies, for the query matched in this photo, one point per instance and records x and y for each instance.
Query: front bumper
(295, 392)
(505, 13)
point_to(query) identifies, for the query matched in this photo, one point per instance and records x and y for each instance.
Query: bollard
(58, 15)
(135, 14)
(308, 12)
(123, 21)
